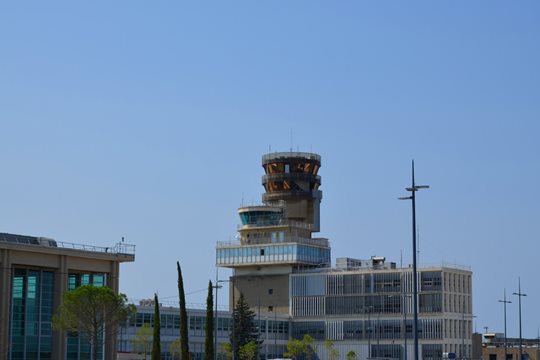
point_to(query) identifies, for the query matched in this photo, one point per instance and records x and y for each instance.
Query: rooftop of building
(291, 154)
(498, 340)
(377, 263)
(121, 250)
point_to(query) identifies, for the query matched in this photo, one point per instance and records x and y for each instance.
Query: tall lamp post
(217, 286)
(520, 295)
(504, 301)
(369, 308)
(413, 189)
(405, 296)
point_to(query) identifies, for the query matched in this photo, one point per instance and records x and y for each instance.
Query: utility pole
(504, 301)
(413, 189)
(520, 295)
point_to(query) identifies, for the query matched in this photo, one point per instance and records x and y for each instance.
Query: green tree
(333, 353)
(175, 349)
(156, 343)
(307, 340)
(351, 355)
(298, 348)
(248, 351)
(295, 349)
(209, 325)
(244, 329)
(226, 349)
(141, 340)
(183, 316)
(91, 311)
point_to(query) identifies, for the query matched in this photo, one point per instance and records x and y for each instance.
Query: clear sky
(148, 121)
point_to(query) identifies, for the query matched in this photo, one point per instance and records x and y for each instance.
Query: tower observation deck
(276, 236)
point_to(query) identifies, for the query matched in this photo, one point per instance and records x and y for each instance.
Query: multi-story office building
(366, 306)
(274, 332)
(363, 306)
(34, 274)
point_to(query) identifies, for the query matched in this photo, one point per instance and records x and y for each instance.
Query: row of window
(195, 323)
(368, 329)
(272, 253)
(309, 306)
(295, 167)
(344, 284)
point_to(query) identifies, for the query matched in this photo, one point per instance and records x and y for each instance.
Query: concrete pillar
(110, 333)
(5, 301)
(60, 286)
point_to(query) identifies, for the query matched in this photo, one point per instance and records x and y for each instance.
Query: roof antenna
(291, 140)
(242, 203)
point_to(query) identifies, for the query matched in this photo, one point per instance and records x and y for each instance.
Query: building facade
(274, 332)
(34, 274)
(366, 307)
(495, 347)
(363, 306)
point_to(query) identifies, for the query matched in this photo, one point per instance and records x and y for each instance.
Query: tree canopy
(297, 348)
(142, 339)
(156, 341)
(91, 311)
(209, 324)
(183, 316)
(244, 328)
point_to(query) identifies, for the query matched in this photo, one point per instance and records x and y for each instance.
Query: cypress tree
(156, 342)
(244, 328)
(183, 316)
(209, 327)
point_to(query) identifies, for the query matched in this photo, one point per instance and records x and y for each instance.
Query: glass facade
(31, 313)
(271, 253)
(261, 218)
(79, 347)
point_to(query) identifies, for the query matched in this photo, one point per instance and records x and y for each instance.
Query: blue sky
(149, 122)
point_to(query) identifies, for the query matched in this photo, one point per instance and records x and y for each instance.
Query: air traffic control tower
(276, 237)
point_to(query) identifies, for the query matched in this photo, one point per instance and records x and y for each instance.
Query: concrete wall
(256, 290)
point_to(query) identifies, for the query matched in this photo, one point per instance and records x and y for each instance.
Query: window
(270, 291)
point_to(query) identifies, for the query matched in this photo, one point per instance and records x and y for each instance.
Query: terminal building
(34, 274)
(274, 332)
(364, 306)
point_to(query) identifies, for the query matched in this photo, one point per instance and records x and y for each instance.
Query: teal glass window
(31, 313)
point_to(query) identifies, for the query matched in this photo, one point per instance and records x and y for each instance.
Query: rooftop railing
(268, 241)
(119, 248)
(276, 155)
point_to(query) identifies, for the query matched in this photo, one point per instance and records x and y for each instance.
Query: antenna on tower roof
(291, 140)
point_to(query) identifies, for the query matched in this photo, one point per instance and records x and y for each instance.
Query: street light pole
(413, 189)
(519, 294)
(405, 296)
(217, 286)
(369, 330)
(505, 338)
